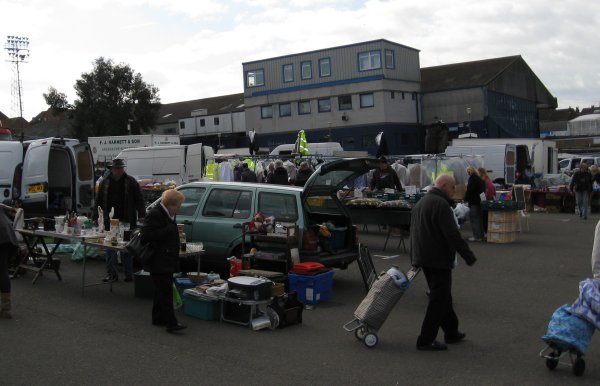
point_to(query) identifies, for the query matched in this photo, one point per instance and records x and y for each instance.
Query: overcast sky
(192, 49)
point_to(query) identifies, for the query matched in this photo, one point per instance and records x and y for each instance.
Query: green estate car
(212, 211)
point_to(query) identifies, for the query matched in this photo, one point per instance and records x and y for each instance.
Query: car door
(34, 183)
(223, 208)
(188, 212)
(84, 177)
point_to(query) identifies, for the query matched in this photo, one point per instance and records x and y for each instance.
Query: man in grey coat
(435, 239)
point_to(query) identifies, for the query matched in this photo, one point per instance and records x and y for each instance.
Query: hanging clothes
(225, 172)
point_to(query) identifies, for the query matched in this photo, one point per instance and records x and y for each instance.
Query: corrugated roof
(464, 75)
(173, 112)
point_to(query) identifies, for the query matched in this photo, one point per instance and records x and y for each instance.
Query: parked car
(212, 210)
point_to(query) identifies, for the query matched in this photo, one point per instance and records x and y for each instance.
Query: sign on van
(107, 148)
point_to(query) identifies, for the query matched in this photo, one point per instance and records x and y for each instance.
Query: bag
(140, 251)
(177, 302)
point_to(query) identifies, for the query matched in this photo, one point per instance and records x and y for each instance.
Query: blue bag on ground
(568, 330)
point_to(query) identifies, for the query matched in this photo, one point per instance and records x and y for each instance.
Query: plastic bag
(177, 302)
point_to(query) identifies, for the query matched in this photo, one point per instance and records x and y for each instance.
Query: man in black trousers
(435, 239)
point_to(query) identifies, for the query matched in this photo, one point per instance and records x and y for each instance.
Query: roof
(558, 114)
(587, 117)
(173, 112)
(464, 75)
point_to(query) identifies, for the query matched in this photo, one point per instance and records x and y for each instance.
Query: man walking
(122, 193)
(434, 240)
(582, 183)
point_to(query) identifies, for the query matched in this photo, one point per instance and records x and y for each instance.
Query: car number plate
(35, 188)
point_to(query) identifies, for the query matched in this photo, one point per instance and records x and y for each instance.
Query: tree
(110, 98)
(56, 100)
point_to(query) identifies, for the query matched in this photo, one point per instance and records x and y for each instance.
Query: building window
(216, 121)
(389, 59)
(366, 100)
(393, 95)
(266, 112)
(402, 96)
(255, 78)
(202, 122)
(324, 105)
(324, 67)
(370, 60)
(181, 125)
(306, 70)
(345, 102)
(285, 109)
(303, 107)
(368, 141)
(288, 72)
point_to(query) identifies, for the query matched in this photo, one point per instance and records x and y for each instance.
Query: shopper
(385, 177)
(280, 174)
(8, 249)
(121, 193)
(160, 229)
(475, 186)
(303, 173)
(247, 174)
(581, 184)
(490, 194)
(434, 240)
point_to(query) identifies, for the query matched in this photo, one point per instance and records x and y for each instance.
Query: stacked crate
(502, 226)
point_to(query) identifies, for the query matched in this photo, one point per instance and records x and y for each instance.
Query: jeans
(475, 218)
(582, 199)
(440, 312)
(111, 263)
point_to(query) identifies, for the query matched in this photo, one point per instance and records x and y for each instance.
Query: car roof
(243, 184)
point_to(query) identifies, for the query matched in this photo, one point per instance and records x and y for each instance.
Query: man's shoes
(433, 346)
(176, 327)
(455, 338)
(128, 279)
(110, 278)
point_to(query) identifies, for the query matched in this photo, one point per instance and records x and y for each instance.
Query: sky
(193, 49)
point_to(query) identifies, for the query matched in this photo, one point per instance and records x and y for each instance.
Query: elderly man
(582, 184)
(434, 240)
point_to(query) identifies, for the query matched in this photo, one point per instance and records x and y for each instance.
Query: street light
(18, 52)
(469, 115)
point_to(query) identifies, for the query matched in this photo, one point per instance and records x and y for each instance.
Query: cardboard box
(501, 237)
(502, 227)
(502, 216)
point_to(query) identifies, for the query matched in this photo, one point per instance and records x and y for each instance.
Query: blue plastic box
(312, 289)
(183, 283)
(200, 308)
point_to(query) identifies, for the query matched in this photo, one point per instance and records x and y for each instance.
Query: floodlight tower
(18, 52)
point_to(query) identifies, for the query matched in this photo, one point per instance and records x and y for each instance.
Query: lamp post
(18, 52)
(469, 115)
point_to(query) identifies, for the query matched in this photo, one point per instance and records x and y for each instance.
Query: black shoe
(433, 346)
(128, 279)
(455, 338)
(176, 327)
(110, 278)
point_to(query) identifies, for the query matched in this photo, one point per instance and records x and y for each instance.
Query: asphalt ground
(504, 303)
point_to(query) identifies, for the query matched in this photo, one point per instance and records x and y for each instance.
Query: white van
(326, 149)
(48, 176)
(500, 160)
(181, 163)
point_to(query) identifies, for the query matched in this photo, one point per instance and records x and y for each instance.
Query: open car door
(332, 176)
(84, 178)
(34, 184)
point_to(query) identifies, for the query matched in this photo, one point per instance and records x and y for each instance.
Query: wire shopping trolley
(374, 309)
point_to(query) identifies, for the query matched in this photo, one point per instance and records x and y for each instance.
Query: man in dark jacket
(303, 173)
(280, 174)
(247, 174)
(435, 239)
(582, 184)
(160, 229)
(385, 177)
(122, 193)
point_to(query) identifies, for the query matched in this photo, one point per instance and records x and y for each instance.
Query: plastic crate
(183, 283)
(338, 237)
(201, 308)
(312, 289)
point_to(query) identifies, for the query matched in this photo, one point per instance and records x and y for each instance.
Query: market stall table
(390, 217)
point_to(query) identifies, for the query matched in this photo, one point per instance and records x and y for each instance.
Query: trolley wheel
(552, 362)
(360, 333)
(371, 340)
(579, 367)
